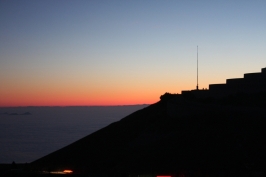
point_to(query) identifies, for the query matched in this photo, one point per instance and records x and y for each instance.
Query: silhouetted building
(251, 83)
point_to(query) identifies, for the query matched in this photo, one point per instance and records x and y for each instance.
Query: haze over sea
(42, 130)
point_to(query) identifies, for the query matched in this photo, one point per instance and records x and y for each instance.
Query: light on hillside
(68, 171)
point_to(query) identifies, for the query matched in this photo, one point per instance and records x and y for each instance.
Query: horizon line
(77, 105)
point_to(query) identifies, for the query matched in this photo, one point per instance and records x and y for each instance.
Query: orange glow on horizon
(58, 96)
(76, 101)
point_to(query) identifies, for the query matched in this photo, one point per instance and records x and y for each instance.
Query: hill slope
(172, 135)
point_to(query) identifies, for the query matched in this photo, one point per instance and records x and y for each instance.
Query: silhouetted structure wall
(251, 83)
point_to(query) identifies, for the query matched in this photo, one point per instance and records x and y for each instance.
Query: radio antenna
(197, 88)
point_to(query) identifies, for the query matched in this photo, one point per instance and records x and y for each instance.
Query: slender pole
(197, 71)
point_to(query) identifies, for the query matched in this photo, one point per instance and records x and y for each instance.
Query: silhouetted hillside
(177, 134)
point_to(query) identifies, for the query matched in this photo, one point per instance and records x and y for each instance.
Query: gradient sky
(102, 52)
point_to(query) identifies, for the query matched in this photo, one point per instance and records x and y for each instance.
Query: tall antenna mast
(197, 88)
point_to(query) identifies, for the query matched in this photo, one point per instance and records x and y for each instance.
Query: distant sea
(28, 133)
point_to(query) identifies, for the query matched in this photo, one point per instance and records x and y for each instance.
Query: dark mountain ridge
(180, 133)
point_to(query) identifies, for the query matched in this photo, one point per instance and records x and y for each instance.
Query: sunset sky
(108, 52)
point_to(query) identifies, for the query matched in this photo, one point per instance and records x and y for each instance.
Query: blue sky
(137, 48)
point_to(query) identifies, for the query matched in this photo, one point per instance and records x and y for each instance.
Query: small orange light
(68, 171)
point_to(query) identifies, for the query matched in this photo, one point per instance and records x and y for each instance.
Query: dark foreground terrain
(179, 135)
